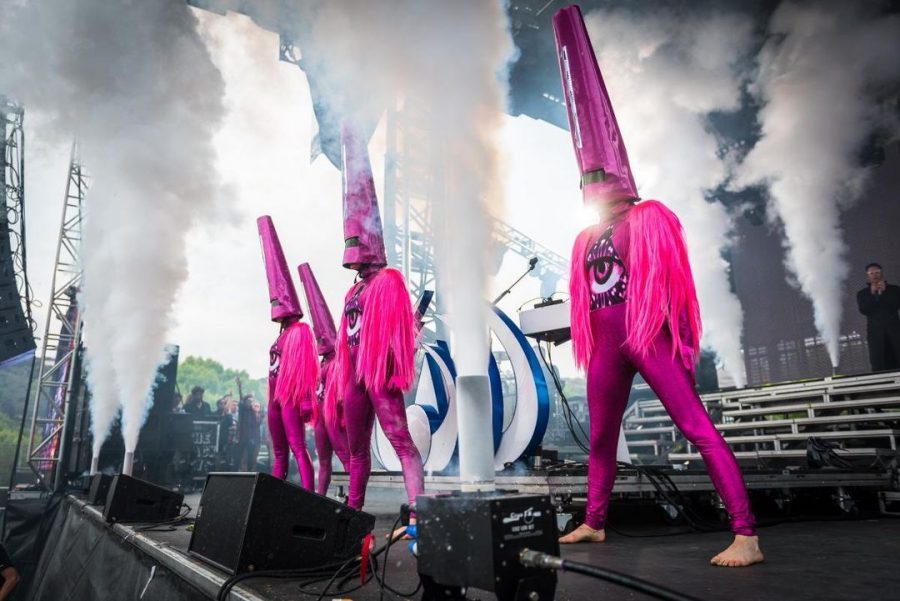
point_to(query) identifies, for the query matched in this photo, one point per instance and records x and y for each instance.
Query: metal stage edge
(195, 573)
(631, 483)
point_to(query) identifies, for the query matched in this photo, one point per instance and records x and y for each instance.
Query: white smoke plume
(665, 75)
(450, 60)
(135, 83)
(819, 75)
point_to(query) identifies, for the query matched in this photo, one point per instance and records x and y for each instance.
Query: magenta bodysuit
(362, 403)
(610, 371)
(331, 434)
(286, 427)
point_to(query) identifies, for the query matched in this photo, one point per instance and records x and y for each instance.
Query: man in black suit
(880, 303)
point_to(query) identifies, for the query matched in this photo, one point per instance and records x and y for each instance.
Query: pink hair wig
(660, 287)
(331, 403)
(580, 294)
(298, 373)
(340, 374)
(387, 344)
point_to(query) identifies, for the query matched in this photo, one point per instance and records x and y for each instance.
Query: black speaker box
(99, 488)
(249, 521)
(133, 500)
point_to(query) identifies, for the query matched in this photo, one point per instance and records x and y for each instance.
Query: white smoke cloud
(450, 60)
(665, 74)
(136, 84)
(818, 78)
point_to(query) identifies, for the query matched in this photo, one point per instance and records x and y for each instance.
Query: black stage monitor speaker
(249, 521)
(133, 500)
(99, 488)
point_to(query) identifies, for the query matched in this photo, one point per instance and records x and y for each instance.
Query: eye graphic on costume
(605, 272)
(354, 322)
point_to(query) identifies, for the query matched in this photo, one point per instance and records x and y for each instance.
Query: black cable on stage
(568, 414)
(536, 559)
(172, 522)
(328, 573)
(382, 582)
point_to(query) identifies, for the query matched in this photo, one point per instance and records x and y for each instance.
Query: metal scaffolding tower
(61, 342)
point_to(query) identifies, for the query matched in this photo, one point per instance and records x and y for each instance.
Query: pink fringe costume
(376, 339)
(293, 368)
(634, 305)
(331, 435)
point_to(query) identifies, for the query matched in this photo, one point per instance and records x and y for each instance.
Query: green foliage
(216, 380)
(13, 387)
(9, 435)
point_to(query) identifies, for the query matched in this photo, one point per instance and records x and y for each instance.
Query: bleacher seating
(860, 414)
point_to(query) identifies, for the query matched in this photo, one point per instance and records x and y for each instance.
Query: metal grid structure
(62, 337)
(12, 225)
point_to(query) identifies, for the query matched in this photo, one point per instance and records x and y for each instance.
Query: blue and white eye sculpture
(518, 428)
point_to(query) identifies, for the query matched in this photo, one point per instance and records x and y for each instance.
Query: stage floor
(843, 560)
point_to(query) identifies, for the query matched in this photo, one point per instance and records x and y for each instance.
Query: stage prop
(252, 521)
(474, 539)
(518, 429)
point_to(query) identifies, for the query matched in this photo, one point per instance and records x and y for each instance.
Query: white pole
(476, 433)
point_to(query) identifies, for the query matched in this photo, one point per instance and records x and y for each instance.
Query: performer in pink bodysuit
(331, 434)
(293, 369)
(377, 336)
(634, 305)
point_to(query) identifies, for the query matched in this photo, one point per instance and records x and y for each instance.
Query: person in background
(221, 407)
(227, 414)
(880, 303)
(195, 404)
(9, 576)
(177, 403)
(248, 433)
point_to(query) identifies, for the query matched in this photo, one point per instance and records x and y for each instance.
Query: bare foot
(584, 534)
(744, 551)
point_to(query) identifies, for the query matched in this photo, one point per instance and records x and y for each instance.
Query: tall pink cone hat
(323, 323)
(282, 295)
(363, 235)
(599, 148)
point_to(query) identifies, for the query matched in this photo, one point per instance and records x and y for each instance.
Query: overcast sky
(263, 149)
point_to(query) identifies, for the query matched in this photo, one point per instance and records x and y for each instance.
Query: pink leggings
(361, 406)
(611, 370)
(328, 442)
(288, 433)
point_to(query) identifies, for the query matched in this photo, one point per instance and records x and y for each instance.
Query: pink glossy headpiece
(282, 294)
(605, 171)
(323, 323)
(363, 235)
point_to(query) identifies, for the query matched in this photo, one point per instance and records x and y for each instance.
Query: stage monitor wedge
(99, 489)
(249, 521)
(133, 500)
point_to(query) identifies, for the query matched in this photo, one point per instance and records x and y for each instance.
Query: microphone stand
(531, 265)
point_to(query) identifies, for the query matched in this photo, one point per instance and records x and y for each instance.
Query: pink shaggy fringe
(661, 288)
(387, 345)
(331, 403)
(298, 373)
(580, 293)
